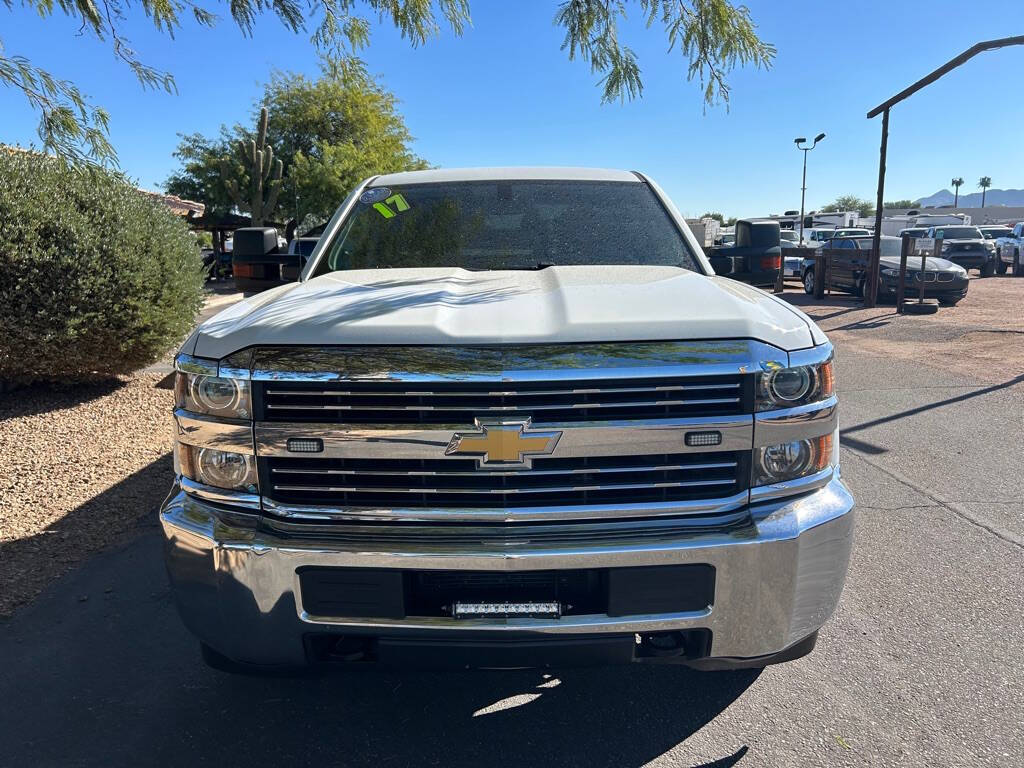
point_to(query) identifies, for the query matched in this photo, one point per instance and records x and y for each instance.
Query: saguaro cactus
(264, 175)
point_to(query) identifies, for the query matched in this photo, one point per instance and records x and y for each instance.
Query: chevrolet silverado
(507, 417)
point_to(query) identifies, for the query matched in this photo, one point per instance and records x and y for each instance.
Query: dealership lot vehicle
(943, 280)
(967, 247)
(299, 251)
(511, 455)
(993, 233)
(790, 238)
(1008, 251)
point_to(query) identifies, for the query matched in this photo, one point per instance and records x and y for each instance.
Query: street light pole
(803, 184)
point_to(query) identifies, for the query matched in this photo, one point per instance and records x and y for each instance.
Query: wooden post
(902, 286)
(819, 274)
(871, 294)
(924, 264)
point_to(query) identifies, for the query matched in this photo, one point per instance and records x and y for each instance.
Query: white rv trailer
(893, 225)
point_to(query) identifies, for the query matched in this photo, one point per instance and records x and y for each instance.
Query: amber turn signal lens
(828, 380)
(823, 449)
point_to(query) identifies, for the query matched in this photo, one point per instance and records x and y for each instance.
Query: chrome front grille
(463, 402)
(457, 483)
(383, 422)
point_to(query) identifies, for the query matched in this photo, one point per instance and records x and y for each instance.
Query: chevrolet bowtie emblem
(503, 443)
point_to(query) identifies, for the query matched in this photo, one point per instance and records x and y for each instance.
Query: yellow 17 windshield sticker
(397, 201)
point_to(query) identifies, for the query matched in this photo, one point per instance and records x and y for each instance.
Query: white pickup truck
(1009, 250)
(507, 417)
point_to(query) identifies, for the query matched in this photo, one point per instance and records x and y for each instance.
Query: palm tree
(956, 185)
(984, 182)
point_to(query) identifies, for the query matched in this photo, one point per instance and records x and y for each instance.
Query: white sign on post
(924, 245)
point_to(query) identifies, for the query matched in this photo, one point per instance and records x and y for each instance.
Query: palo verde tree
(850, 203)
(255, 183)
(333, 132)
(330, 133)
(713, 36)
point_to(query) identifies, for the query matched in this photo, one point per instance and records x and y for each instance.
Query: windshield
(788, 234)
(914, 232)
(888, 246)
(850, 232)
(958, 233)
(484, 225)
(992, 234)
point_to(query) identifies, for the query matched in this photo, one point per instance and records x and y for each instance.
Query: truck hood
(554, 305)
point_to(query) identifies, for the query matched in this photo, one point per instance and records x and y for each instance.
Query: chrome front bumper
(778, 579)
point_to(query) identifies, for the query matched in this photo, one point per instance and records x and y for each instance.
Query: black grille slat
(457, 482)
(462, 402)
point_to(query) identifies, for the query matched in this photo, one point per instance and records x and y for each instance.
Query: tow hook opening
(345, 649)
(689, 644)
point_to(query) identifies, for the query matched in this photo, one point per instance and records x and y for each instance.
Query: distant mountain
(1011, 197)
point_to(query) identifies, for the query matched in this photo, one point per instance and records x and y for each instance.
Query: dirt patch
(80, 470)
(981, 338)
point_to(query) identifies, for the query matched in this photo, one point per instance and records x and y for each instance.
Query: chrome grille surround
(564, 371)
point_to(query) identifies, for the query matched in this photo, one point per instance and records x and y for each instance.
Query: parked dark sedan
(943, 280)
(966, 246)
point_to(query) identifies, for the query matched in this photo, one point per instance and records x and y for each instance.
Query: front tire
(1000, 264)
(1018, 268)
(809, 282)
(988, 269)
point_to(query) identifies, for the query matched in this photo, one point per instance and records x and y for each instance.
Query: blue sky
(504, 94)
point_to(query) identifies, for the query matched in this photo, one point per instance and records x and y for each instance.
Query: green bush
(96, 279)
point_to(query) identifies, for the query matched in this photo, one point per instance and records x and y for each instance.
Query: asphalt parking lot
(922, 665)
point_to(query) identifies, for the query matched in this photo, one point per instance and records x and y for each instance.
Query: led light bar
(506, 610)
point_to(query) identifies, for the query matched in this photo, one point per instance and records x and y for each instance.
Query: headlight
(220, 469)
(893, 273)
(788, 387)
(213, 395)
(788, 461)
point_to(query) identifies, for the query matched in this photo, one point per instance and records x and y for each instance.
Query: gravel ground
(981, 338)
(64, 460)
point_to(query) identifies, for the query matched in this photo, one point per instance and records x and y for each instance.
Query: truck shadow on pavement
(100, 671)
(110, 518)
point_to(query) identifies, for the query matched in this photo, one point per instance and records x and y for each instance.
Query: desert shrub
(96, 278)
